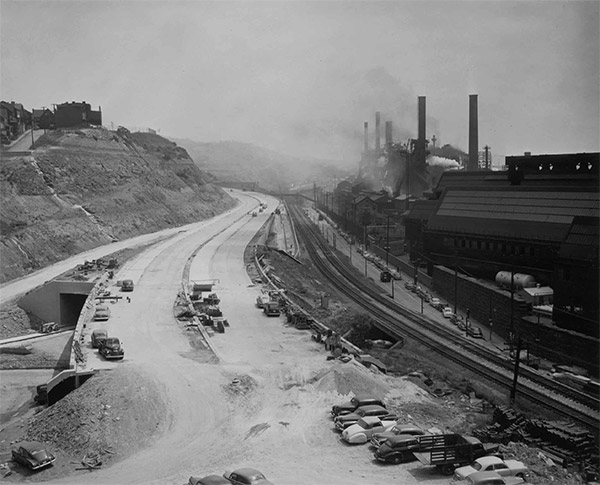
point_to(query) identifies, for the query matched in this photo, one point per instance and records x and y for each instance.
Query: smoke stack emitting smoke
(377, 132)
(388, 133)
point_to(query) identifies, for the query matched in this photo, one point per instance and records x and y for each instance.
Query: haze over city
(302, 77)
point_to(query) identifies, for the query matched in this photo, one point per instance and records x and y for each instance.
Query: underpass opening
(70, 308)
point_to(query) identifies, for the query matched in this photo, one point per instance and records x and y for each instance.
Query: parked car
(435, 302)
(447, 312)
(455, 319)
(474, 332)
(409, 286)
(127, 285)
(496, 464)
(399, 429)
(209, 480)
(397, 275)
(354, 403)
(363, 430)
(385, 276)
(462, 325)
(246, 476)
(346, 420)
(33, 455)
(111, 348)
(99, 335)
(398, 449)
(492, 478)
(102, 313)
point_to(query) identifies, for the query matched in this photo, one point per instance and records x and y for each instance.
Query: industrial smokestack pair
(388, 133)
(473, 163)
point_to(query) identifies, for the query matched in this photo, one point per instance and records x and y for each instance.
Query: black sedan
(346, 420)
(33, 455)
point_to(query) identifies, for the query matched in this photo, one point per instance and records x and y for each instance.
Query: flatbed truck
(449, 451)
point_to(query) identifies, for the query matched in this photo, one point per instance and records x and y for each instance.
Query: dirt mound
(97, 419)
(351, 379)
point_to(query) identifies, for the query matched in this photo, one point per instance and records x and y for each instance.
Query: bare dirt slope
(83, 188)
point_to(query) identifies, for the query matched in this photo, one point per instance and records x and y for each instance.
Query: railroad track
(397, 320)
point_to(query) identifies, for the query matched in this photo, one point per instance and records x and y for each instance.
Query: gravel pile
(96, 419)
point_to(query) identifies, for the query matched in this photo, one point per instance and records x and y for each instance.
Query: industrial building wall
(544, 339)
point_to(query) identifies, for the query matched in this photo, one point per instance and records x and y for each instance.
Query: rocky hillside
(83, 188)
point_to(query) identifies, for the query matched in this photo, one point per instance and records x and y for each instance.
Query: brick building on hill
(72, 114)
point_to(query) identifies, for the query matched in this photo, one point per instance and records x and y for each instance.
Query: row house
(43, 119)
(14, 120)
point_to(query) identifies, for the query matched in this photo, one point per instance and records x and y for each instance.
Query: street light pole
(455, 283)
(387, 242)
(365, 251)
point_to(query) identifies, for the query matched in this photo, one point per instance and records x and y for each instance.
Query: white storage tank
(520, 280)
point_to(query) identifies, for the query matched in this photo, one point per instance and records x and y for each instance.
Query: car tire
(448, 470)
(397, 459)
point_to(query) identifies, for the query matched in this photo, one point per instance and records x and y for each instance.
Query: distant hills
(245, 162)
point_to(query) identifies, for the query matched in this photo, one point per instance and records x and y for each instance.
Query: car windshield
(362, 423)
(39, 454)
(257, 477)
(112, 342)
(476, 465)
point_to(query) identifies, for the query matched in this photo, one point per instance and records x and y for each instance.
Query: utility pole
(455, 282)
(513, 390)
(365, 251)
(392, 281)
(487, 151)
(512, 308)
(387, 243)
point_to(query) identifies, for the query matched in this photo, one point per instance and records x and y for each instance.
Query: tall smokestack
(377, 131)
(421, 133)
(388, 133)
(473, 134)
(366, 136)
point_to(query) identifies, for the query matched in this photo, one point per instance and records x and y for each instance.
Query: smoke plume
(436, 161)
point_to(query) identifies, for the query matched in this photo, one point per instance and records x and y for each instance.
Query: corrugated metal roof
(583, 240)
(422, 210)
(501, 228)
(516, 213)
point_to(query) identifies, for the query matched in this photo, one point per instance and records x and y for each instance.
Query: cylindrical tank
(520, 280)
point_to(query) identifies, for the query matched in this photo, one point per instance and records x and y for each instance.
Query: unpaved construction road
(264, 404)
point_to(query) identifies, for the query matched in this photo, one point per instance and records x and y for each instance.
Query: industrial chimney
(421, 132)
(473, 163)
(377, 132)
(388, 133)
(366, 136)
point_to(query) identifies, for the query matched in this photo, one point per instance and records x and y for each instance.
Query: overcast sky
(302, 77)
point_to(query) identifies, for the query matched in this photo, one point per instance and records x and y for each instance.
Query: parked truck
(271, 308)
(449, 451)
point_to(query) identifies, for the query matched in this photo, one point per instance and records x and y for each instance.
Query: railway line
(394, 318)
